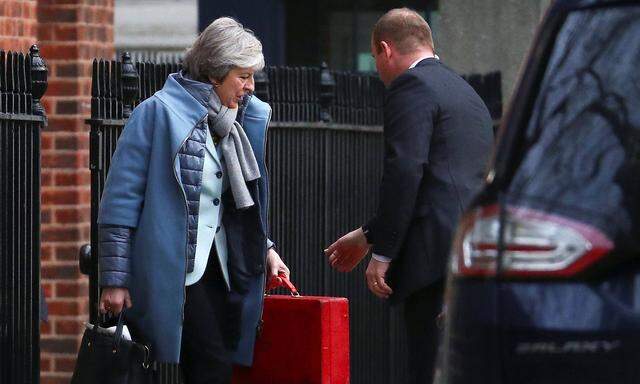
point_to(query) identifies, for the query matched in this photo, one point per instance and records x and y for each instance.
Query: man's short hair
(405, 28)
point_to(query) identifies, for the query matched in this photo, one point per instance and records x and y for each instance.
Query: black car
(544, 280)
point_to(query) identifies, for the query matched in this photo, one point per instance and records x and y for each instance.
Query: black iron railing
(325, 158)
(489, 87)
(22, 84)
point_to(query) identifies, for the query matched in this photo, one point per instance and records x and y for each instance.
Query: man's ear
(386, 49)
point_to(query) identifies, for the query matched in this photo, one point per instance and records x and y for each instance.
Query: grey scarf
(236, 149)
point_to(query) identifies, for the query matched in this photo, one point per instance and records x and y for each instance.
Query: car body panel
(575, 155)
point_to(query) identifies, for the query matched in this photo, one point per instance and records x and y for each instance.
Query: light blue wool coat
(144, 191)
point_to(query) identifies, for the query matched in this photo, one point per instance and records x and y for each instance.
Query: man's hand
(275, 266)
(113, 299)
(348, 250)
(376, 272)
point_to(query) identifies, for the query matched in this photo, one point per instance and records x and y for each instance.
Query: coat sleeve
(123, 198)
(114, 248)
(256, 118)
(409, 114)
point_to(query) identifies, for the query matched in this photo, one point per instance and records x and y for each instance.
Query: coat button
(218, 229)
(216, 201)
(219, 174)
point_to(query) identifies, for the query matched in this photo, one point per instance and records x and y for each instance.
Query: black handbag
(107, 358)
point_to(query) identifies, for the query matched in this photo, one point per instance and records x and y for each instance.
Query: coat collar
(426, 61)
(181, 101)
(189, 98)
(199, 90)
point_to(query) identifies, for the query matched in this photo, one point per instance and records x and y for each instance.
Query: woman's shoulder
(150, 104)
(257, 108)
(155, 107)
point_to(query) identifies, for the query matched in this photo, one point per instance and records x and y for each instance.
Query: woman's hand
(275, 266)
(113, 299)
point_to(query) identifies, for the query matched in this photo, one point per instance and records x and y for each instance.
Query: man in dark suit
(437, 137)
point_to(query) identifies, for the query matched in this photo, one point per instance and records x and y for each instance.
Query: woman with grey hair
(183, 219)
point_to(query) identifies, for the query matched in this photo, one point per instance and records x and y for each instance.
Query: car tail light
(533, 243)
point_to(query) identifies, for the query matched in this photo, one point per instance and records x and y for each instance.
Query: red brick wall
(71, 33)
(18, 25)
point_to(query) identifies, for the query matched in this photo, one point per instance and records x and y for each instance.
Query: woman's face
(237, 83)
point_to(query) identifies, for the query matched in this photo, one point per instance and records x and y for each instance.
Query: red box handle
(283, 283)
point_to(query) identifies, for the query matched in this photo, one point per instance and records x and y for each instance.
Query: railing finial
(262, 85)
(130, 86)
(327, 92)
(38, 79)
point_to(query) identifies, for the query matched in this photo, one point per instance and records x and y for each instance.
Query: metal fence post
(327, 93)
(262, 86)
(21, 84)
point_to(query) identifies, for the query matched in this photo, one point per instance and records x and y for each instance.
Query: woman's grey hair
(225, 44)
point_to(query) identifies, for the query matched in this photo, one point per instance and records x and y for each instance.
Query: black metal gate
(22, 83)
(325, 158)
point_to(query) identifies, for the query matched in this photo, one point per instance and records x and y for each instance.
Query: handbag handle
(117, 336)
(283, 283)
(117, 340)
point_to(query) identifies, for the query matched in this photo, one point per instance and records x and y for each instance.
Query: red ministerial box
(304, 339)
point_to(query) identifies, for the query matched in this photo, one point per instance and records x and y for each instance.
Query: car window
(582, 151)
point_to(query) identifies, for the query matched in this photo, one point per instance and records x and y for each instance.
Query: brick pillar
(18, 29)
(71, 34)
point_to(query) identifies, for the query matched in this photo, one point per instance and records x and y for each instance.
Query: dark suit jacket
(438, 137)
